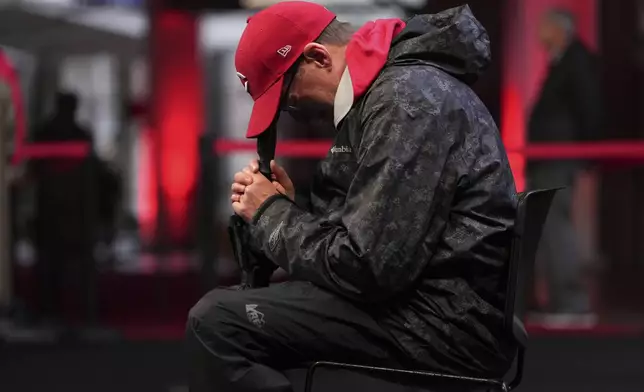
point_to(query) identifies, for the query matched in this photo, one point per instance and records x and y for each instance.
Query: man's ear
(317, 54)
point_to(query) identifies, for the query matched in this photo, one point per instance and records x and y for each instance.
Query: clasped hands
(250, 188)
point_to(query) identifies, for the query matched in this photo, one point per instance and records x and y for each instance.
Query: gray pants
(559, 255)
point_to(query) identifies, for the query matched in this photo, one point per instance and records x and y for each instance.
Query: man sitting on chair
(400, 259)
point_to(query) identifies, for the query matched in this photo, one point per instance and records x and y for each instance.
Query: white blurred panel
(129, 22)
(229, 166)
(223, 30)
(139, 87)
(43, 3)
(237, 104)
(334, 3)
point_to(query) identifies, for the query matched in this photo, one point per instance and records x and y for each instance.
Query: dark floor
(588, 364)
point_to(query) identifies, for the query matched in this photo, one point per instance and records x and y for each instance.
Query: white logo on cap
(244, 81)
(284, 51)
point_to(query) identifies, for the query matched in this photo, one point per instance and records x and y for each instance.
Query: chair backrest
(532, 211)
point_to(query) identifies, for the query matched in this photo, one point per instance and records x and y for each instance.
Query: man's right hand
(281, 181)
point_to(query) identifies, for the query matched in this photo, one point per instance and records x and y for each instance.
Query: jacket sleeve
(585, 98)
(395, 209)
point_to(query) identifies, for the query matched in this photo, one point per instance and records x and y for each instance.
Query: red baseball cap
(271, 43)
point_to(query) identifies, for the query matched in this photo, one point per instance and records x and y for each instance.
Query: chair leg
(308, 385)
(518, 375)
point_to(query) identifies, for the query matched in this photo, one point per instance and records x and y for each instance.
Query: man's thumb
(280, 173)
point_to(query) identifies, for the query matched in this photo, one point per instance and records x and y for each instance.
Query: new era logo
(284, 51)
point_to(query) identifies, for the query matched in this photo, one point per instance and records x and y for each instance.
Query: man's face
(548, 33)
(310, 85)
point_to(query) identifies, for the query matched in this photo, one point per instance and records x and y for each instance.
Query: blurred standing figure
(568, 109)
(61, 238)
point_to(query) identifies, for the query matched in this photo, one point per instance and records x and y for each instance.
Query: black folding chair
(532, 210)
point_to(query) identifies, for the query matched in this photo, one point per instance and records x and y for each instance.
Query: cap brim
(265, 109)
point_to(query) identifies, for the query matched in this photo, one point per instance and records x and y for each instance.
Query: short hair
(336, 33)
(564, 19)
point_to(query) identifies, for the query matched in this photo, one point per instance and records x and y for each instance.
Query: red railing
(605, 150)
(601, 151)
(608, 151)
(52, 150)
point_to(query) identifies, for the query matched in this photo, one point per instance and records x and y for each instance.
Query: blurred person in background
(568, 109)
(58, 222)
(64, 127)
(63, 240)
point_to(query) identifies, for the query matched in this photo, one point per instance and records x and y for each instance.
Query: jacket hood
(452, 40)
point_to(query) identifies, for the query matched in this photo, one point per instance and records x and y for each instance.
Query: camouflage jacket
(412, 209)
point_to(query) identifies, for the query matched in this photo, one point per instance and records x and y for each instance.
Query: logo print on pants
(255, 316)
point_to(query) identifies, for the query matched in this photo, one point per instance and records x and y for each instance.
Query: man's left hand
(260, 189)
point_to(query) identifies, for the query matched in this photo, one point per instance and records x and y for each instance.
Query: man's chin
(323, 123)
(316, 123)
(314, 120)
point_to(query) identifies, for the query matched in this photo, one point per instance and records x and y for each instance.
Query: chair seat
(344, 381)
